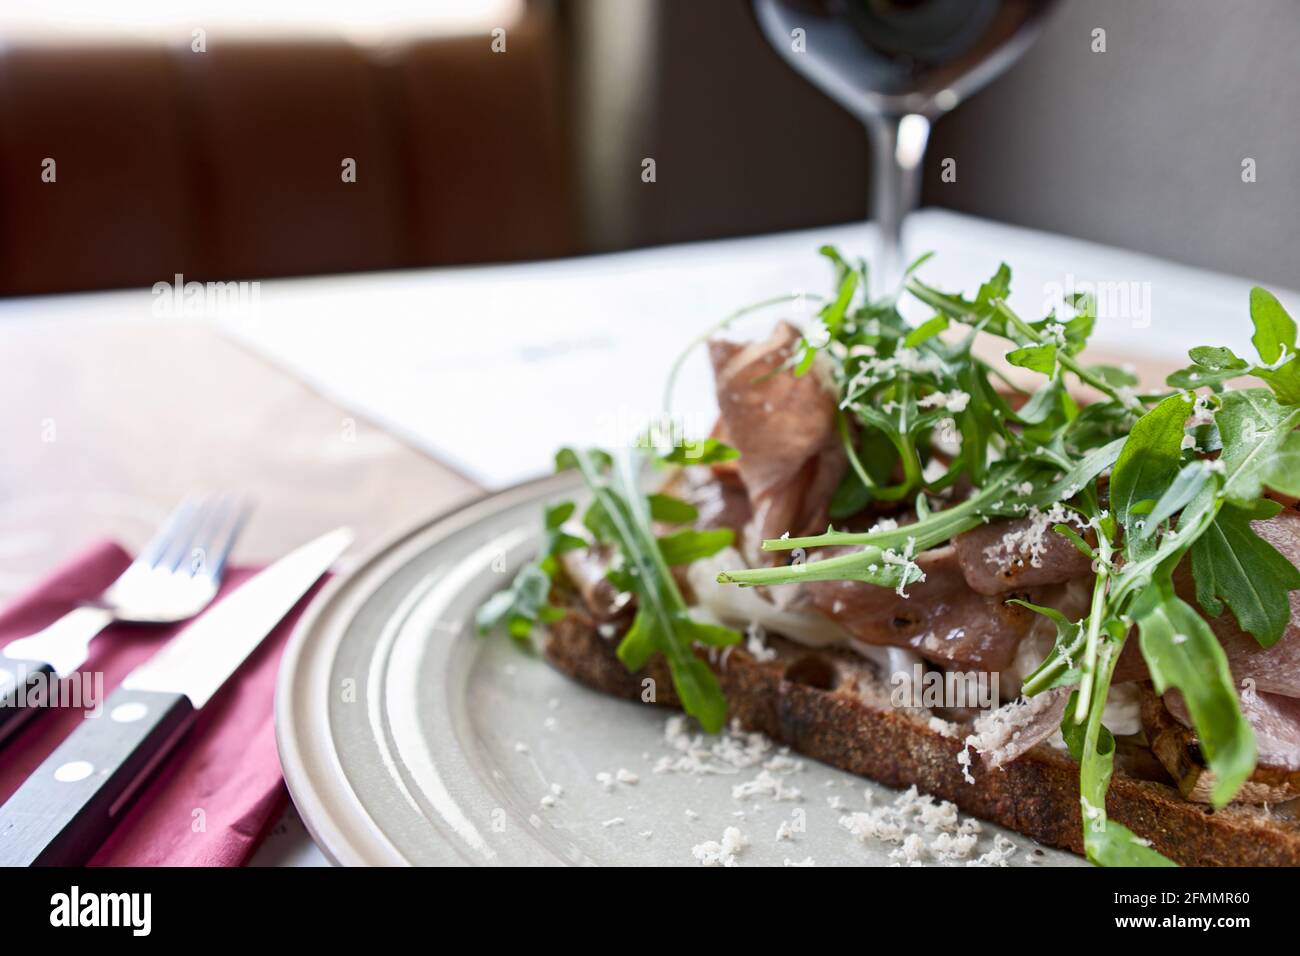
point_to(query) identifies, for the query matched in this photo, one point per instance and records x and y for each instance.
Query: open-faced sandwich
(1070, 608)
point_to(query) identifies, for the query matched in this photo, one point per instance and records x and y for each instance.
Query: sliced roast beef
(1276, 721)
(783, 425)
(1272, 670)
(1009, 555)
(940, 618)
(1276, 669)
(1004, 734)
(586, 568)
(719, 498)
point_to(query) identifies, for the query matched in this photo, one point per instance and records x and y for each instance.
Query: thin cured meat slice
(940, 618)
(784, 426)
(1010, 555)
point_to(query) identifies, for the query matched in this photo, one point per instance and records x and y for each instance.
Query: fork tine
(243, 508)
(218, 538)
(152, 553)
(177, 551)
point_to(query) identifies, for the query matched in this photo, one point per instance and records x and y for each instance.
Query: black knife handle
(21, 697)
(70, 804)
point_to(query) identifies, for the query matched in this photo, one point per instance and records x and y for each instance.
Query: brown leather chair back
(228, 164)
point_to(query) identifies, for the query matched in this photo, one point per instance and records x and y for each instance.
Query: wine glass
(897, 65)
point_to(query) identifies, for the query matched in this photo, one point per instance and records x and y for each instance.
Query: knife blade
(70, 803)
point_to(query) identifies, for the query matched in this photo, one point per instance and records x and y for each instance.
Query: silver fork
(174, 577)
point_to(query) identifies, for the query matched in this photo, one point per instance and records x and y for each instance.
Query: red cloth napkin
(221, 788)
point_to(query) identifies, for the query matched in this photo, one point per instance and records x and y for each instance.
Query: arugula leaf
(1181, 651)
(1232, 562)
(1282, 473)
(1284, 380)
(833, 312)
(1275, 341)
(850, 497)
(1056, 669)
(1037, 358)
(1111, 375)
(1253, 427)
(663, 623)
(557, 540)
(997, 288)
(671, 510)
(1190, 482)
(1211, 366)
(1150, 459)
(926, 330)
(521, 606)
(831, 315)
(708, 452)
(872, 565)
(1105, 842)
(1217, 358)
(596, 520)
(1079, 329)
(1274, 329)
(683, 547)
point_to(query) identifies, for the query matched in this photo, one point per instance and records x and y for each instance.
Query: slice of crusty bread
(830, 705)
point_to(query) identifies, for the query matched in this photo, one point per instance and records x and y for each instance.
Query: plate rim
(313, 775)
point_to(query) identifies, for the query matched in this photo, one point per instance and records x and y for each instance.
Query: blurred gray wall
(1140, 146)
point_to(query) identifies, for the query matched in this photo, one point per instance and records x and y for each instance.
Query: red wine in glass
(897, 65)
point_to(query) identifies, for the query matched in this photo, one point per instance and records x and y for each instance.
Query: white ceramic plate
(407, 739)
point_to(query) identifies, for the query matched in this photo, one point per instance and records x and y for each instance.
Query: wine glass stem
(898, 149)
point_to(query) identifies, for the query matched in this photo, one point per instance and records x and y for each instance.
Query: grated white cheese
(766, 784)
(1003, 850)
(912, 850)
(954, 401)
(964, 761)
(721, 852)
(726, 753)
(1029, 544)
(945, 728)
(911, 818)
(948, 847)
(756, 643)
(784, 763)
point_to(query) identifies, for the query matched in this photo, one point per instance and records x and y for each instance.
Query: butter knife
(70, 804)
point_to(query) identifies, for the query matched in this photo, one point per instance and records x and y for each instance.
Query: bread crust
(822, 704)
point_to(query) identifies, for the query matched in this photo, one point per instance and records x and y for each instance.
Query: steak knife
(69, 805)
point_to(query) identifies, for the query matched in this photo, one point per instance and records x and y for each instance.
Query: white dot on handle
(128, 713)
(74, 770)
